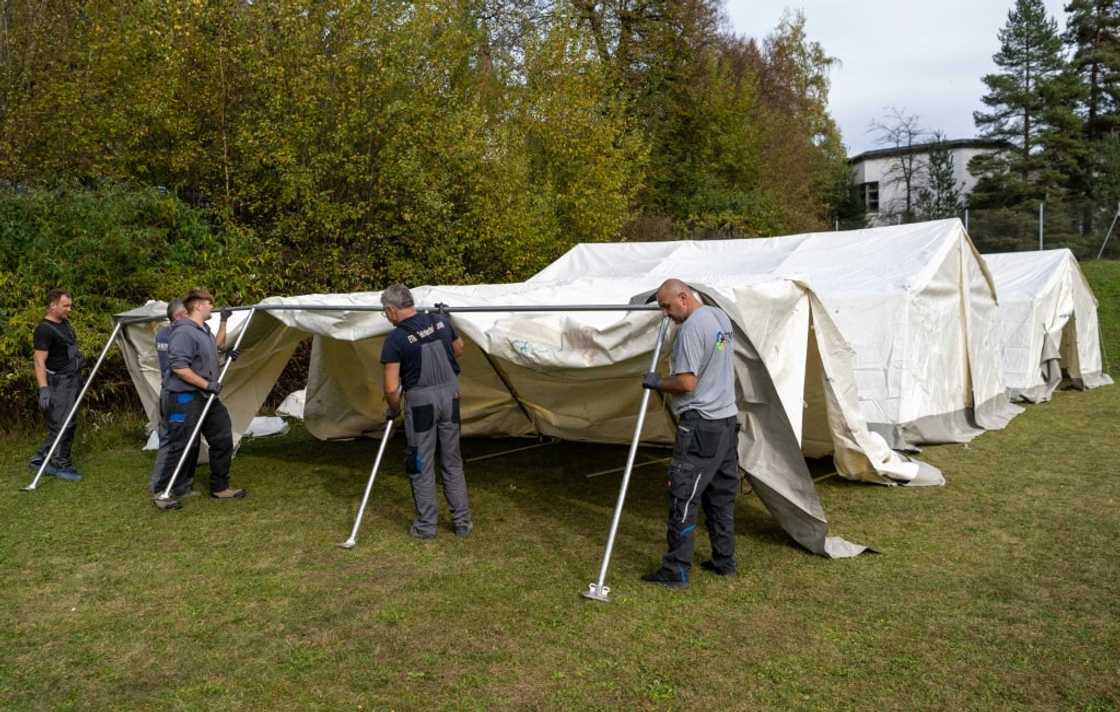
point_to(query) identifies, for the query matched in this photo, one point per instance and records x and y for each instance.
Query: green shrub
(114, 246)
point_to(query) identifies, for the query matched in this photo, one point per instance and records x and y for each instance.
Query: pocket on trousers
(455, 417)
(682, 479)
(423, 418)
(704, 442)
(412, 464)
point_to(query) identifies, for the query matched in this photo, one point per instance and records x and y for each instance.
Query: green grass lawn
(996, 591)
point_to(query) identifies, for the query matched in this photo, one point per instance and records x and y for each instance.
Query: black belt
(692, 414)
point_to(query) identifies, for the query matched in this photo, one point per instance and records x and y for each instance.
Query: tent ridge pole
(500, 308)
(73, 410)
(597, 591)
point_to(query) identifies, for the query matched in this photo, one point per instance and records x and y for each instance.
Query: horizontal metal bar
(495, 308)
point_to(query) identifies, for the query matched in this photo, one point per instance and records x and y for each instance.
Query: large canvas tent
(575, 375)
(1049, 323)
(916, 303)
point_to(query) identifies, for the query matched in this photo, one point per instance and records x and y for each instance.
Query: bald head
(677, 300)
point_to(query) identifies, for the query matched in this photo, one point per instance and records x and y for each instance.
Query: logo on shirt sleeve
(723, 340)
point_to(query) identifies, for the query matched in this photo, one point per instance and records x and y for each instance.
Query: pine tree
(1020, 99)
(1093, 37)
(940, 197)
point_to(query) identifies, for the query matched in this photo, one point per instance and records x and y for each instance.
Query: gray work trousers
(704, 474)
(432, 427)
(64, 392)
(185, 480)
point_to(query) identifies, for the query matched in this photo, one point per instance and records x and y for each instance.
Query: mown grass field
(997, 591)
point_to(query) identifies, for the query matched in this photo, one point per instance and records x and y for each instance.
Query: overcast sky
(923, 56)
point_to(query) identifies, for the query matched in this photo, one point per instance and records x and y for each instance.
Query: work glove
(226, 314)
(392, 413)
(441, 308)
(651, 381)
(232, 354)
(44, 398)
(214, 387)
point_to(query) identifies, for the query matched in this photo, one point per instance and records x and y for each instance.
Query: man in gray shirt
(705, 467)
(192, 359)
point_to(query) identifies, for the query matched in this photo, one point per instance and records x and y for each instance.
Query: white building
(877, 176)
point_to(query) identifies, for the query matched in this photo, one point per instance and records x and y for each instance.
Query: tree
(1093, 37)
(902, 132)
(940, 196)
(1019, 98)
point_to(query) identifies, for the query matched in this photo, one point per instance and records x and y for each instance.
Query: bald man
(705, 467)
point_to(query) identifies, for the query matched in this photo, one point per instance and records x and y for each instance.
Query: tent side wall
(1090, 355)
(265, 350)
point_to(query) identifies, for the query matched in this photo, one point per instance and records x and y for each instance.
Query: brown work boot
(229, 493)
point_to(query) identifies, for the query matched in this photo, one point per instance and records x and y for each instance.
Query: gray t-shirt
(191, 346)
(704, 348)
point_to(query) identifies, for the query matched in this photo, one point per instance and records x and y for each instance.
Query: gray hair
(396, 295)
(173, 306)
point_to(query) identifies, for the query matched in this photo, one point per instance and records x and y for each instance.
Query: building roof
(925, 147)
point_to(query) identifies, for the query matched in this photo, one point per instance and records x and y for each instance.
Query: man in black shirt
(58, 365)
(419, 357)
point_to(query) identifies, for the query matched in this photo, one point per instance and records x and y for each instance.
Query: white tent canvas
(916, 304)
(1049, 323)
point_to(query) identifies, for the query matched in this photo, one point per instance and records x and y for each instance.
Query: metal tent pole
(510, 308)
(1104, 244)
(597, 591)
(205, 410)
(349, 543)
(73, 410)
(1041, 218)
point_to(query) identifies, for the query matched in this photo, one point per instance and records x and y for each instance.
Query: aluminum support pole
(510, 308)
(349, 543)
(1041, 223)
(1104, 244)
(166, 495)
(598, 591)
(73, 411)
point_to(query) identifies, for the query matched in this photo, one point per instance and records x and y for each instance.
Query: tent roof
(871, 262)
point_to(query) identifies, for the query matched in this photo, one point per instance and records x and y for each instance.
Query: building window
(869, 196)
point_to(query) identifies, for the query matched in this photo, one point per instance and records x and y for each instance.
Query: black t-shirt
(54, 339)
(402, 345)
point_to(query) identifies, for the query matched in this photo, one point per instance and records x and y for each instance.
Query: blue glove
(651, 381)
(213, 387)
(392, 413)
(44, 398)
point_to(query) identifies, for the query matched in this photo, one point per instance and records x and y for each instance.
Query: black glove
(214, 387)
(440, 308)
(651, 381)
(232, 354)
(391, 413)
(44, 398)
(226, 314)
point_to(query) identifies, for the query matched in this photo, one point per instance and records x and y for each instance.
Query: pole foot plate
(595, 593)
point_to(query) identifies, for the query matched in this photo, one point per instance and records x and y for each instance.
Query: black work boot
(709, 565)
(668, 578)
